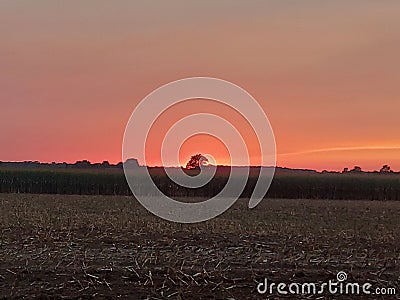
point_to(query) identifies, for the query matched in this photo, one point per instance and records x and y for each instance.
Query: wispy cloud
(338, 149)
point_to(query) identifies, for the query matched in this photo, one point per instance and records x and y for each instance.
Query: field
(105, 247)
(287, 184)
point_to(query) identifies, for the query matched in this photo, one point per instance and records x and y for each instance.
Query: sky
(326, 73)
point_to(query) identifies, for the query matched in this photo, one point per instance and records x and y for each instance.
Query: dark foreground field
(82, 247)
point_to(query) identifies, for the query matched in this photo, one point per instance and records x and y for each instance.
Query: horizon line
(235, 166)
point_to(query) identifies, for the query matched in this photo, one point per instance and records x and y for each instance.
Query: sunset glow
(326, 74)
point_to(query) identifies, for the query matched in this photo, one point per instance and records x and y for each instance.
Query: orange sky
(326, 73)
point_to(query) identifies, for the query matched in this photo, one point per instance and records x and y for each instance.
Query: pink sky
(326, 73)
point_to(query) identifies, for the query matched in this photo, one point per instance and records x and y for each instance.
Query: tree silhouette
(385, 169)
(196, 161)
(356, 169)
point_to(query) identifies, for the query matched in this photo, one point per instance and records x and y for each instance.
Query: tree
(385, 169)
(356, 169)
(82, 164)
(196, 161)
(131, 163)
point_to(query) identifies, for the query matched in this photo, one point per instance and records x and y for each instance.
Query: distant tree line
(194, 163)
(357, 169)
(81, 164)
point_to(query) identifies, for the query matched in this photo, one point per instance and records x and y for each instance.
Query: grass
(82, 247)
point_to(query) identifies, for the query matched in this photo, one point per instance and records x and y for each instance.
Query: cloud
(339, 149)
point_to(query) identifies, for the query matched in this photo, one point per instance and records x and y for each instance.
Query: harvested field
(83, 247)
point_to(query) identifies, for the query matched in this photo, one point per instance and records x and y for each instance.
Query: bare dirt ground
(105, 247)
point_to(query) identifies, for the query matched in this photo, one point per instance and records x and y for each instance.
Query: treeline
(284, 185)
(80, 164)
